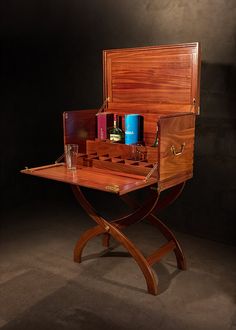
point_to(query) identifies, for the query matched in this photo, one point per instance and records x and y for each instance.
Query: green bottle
(116, 134)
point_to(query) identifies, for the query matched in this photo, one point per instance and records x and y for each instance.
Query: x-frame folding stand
(114, 228)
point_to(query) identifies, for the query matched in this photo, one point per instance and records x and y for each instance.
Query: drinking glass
(71, 154)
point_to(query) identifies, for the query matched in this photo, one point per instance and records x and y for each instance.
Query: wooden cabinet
(161, 83)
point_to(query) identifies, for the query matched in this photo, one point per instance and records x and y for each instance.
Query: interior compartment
(161, 83)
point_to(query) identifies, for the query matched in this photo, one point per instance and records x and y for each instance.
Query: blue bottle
(132, 129)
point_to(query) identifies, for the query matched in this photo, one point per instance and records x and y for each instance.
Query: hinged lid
(153, 79)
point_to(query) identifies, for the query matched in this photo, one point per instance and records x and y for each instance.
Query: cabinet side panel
(176, 149)
(79, 126)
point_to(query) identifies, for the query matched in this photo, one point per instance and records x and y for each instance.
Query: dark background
(51, 61)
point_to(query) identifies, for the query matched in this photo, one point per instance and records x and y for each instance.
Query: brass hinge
(113, 187)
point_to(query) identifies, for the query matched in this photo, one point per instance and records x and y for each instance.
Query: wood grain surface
(92, 178)
(176, 131)
(78, 126)
(151, 76)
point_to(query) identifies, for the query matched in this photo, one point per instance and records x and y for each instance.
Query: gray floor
(42, 288)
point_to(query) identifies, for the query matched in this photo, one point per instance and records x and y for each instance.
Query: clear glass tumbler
(71, 155)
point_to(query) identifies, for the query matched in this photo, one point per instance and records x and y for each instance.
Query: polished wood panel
(158, 75)
(178, 133)
(90, 177)
(79, 126)
(156, 108)
(153, 75)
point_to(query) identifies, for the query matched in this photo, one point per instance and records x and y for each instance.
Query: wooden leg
(89, 234)
(106, 240)
(106, 227)
(132, 249)
(114, 227)
(168, 199)
(173, 243)
(167, 233)
(180, 258)
(138, 257)
(163, 201)
(140, 212)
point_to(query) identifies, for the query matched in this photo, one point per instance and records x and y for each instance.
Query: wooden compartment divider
(117, 163)
(118, 157)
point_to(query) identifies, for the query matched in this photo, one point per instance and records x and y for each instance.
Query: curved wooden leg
(106, 240)
(133, 217)
(168, 199)
(132, 249)
(140, 213)
(172, 244)
(89, 234)
(138, 257)
(168, 234)
(113, 230)
(162, 203)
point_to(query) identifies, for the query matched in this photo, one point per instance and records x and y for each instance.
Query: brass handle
(180, 152)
